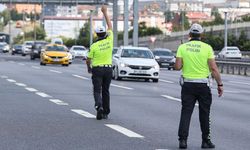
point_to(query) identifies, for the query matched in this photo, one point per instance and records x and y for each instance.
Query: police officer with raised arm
(99, 63)
(196, 60)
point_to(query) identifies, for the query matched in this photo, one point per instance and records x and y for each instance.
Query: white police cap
(196, 28)
(100, 29)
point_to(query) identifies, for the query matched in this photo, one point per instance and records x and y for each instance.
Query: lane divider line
(123, 87)
(81, 77)
(21, 64)
(35, 67)
(20, 84)
(11, 80)
(4, 77)
(166, 81)
(31, 89)
(42, 94)
(228, 91)
(175, 99)
(55, 71)
(58, 102)
(83, 113)
(124, 131)
(237, 82)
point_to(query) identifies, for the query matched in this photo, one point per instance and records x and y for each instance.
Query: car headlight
(35, 51)
(69, 56)
(123, 65)
(173, 60)
(156, 67)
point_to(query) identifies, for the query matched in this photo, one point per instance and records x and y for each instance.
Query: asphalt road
(51, 108)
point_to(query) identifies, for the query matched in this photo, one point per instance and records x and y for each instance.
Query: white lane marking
(81, 77)
(175, 99)
(228, 91)
(11, 80)
(11, 61)
(239, 82)
(123, 87)
(83, 113)
(166, 81)
(20, 84)
(4, 77)
(161, 149)
(21, 64)
(42, 94)
(124, 131)
(35, 67)
(31, 89)
(55, 71)
(58, 102)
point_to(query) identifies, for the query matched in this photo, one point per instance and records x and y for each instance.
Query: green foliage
(84, 36)
(217, 18)
(6, 16)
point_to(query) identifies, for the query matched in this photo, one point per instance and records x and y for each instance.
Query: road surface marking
(21, 64)
(123, 87)
(81, 77)
(55, 71)
(161, 149)
(20, 84)
(58, 102)
(228, 91)
(11, 80)
(239, 82)
(166, 81)
(124, 131)
(175, 99)
(11, 61)
(4, 77)
(35, 67)
(42, 94)
(83, 113)
(31, 89)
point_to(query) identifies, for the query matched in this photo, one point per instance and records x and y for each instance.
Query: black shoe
(105, 116)
(207, 144)
(182, 144)
(99, 113)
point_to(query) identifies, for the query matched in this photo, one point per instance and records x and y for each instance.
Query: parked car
(230, 52)
(135, 62)
(17, 49)
(26, 48)
(165, 58)
(36, 49)
(4, 47)
(79, 51)
(55, 54)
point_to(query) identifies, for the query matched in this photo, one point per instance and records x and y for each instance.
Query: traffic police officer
(196, 59)
(99, 63)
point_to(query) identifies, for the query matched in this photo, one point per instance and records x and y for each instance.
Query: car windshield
(18, 46)
(28, 43)
(55, 48)
(232, 49)
(114, 50)
(133, 53)
(79, 48)
(163, 53)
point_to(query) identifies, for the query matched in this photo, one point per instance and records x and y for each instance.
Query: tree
(84, 36)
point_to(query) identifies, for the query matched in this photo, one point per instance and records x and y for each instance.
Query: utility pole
(90, 34)
(135, 23)
(115, 20)
(126, 19)
(225, 38)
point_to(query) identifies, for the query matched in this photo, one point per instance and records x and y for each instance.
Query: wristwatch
(220, 84)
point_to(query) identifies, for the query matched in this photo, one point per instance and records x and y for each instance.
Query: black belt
(103, 66)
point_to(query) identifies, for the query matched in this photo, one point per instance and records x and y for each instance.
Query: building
(28, 8)
(185, 5)
(238, 3)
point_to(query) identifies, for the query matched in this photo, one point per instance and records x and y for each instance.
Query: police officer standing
(196, 59)
(99, 63)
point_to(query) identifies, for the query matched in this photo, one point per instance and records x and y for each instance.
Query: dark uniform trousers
(101, 79)
(190, 93)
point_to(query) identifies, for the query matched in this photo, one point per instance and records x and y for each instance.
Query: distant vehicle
(4, 47)
(17, 49)
(230, 52)
(165, 59)
(36, 49)
(57, 41)
(115, 49)
(55, 54)
(4, 38)
(135, 62)
(79, 51)
(27, 46)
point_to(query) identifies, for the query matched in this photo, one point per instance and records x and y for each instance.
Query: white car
(230, 52)
(26, 48)
(135, 62)
(79, 51)
(4, 47)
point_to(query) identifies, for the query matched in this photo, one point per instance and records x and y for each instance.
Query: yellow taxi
(55, 54)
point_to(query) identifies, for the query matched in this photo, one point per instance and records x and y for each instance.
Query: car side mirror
(157, 57)
(116, 56)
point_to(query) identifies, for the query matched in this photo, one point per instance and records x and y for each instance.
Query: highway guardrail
(237, 68)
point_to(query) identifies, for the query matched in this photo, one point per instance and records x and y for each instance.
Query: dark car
(166, 58)
(36, 49)
(17, 49)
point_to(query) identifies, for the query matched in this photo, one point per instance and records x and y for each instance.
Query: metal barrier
(239, 68)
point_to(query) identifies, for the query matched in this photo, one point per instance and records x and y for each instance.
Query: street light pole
(90, 34)
(135, 23)
(225, 38)
(115, 20)
(126, 20)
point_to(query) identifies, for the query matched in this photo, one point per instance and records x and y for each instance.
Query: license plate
(140, 71)
(56, 60)
(165, 64)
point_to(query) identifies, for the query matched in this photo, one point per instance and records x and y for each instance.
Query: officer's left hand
(220, 90)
